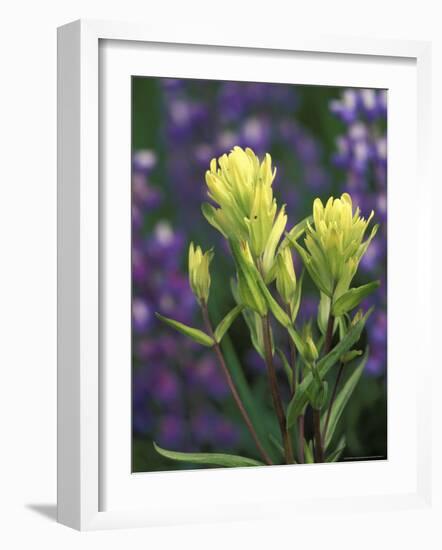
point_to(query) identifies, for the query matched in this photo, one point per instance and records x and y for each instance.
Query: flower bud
(357, 317)
(310, 351)
(285, 276)
(350, 355)
(199, 274)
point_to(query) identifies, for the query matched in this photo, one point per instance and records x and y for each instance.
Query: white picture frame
(82, 441)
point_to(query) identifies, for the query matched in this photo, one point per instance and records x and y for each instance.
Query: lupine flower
(167, 369)
(364, 114)
(335, 244)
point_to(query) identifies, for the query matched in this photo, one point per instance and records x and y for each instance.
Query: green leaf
(308, 453)
(209, 213)
(279, 314)
(342, 325)
(194, 333)
(296, 302)
(295, 232)
(323, 312)
(314, 275)
(252, 319)
(297, 340)
(342, 398)
(334, 456)
(353, 298)
(248, 289)
(225, 324)
(277, 446)
(260, 290)
(255, 407)
(287, 368)
(213, 459)
(300, 399)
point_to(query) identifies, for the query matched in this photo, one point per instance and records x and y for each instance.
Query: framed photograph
(234, 251)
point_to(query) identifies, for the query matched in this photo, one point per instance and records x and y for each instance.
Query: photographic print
(259, 274)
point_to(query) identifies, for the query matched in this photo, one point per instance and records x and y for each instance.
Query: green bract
(334, 244)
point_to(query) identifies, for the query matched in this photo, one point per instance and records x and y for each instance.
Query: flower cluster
(335, 244)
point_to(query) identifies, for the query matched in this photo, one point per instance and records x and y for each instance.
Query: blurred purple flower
(362, 154)
(171, 431)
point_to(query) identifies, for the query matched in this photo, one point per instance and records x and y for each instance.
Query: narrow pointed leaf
(296, 338)
(248, 288)
(352, 298)
(296, 302)
(213, 459)
(343, 396)
(287, 368)
(334, 456)
(225, 324)
(277, 446)
(311, 270)
(323, 312)
(300, 399)
(308, 453)
(194, 333)
(253, 322)
(279, 314)
(255, 407)
(295, 232)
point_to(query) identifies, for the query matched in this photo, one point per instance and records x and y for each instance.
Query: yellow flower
(199, 274)
(334, 244)
(241, 186)
(285, 275)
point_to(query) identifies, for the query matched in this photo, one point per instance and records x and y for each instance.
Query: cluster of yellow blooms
(246, 212)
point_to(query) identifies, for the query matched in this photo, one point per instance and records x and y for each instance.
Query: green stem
(319, 436)
(301, 458)
(294, 365)
(319, 450)
(277, 401)
(292, 357)
(232, 387)
(329, 333)
(332, 400)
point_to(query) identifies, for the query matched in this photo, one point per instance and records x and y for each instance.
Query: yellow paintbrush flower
(199, 274)
(241, 186)
(334, 244)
